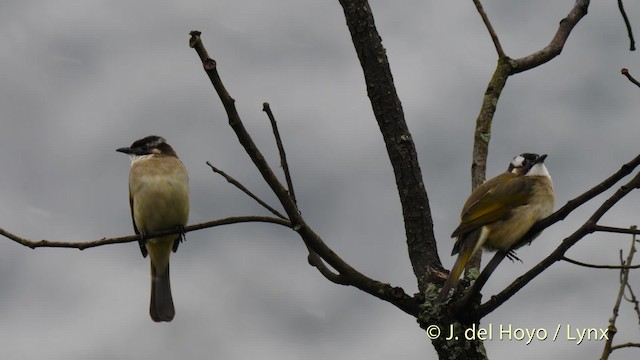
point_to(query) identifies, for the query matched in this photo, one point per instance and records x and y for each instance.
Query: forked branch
(346, 274)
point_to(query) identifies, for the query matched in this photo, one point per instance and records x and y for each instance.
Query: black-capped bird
(499, 212)
(159, 200)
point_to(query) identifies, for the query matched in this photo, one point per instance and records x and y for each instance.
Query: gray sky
(79, 79)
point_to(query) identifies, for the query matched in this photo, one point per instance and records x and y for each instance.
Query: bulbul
(499, 212)
(159, 200)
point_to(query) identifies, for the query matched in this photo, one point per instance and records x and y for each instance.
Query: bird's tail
(456, 271)
(161, 307)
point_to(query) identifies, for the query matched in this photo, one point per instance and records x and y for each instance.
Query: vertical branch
(632, 41)
(401, 150)
(492, 32)
(624, 280)
(505, 68)
(482, 134)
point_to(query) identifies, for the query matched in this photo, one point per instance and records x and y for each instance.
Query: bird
(159, 200)
(499, 212)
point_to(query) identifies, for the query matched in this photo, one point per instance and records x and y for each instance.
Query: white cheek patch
(518, 161)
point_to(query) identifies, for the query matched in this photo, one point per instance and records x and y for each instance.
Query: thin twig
(595, 266)
(625, 345)
(625, 72)
(611, 329)
(634, 300)
(616, 230)
(125, 239)
(237, 184)
(492, 32)
(632, 42)
(283, 155)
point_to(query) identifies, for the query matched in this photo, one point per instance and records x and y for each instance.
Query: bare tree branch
(626, 73)
(347, 274)
(556, 45)
(616, 230)
(505, 68)
(124, 239)
(632, 296)
(634, 300)
(237, 184)
(401, 149)
(627, 24)
(624, 281)
(492, 33)
(594, 266)
(625, 345)
(482, 134)
(283, 155)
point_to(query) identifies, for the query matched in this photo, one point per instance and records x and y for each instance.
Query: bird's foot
(511, 255)
(180, 238)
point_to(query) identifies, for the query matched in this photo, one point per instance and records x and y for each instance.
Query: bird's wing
(141, 243)
(492, 201)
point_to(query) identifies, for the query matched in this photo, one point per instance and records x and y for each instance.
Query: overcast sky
(79, 79)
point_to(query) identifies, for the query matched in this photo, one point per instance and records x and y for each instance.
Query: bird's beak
(541, 158)
(125, 150)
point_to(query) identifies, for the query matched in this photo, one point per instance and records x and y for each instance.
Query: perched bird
(159, 200)
(499, 212)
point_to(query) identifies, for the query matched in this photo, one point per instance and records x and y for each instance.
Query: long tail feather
(161, 306)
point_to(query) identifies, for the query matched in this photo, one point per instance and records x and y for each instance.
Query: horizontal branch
(125, 239)
(616, 230)
(594, 266)
(625, 345)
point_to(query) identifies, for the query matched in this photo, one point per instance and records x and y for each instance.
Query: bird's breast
(160, 195)
(503, 234)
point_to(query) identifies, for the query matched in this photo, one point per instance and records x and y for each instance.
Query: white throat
(136, 158)
(538, 170)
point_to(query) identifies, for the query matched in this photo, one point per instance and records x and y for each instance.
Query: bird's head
(528, 164)
(151, 145)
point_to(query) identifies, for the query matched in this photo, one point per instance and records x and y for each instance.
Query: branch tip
(195, 38)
